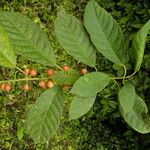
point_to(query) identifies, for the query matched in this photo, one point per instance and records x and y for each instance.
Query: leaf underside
(27, 38)
(44, 117)
(74, 39)
(105, 33)
(7, 56)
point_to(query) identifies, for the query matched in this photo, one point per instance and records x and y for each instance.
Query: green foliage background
(103, 127)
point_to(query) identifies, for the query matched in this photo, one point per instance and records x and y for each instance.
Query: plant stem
(23, 79)
(116, 83)
(121, 78)
(20, 69)
(95, 69)
(131, 75)
(59, 67)
(125, 70)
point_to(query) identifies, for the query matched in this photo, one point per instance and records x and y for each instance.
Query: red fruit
(42, 84)
(33, 72)
(50, 72)
(50, 84)
(2, 87)
(84, 71)
(26, 87)
(26, 71)
(66, 87)
(66, 68)
(7, 87)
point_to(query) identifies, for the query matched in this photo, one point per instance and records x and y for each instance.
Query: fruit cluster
(42, 83)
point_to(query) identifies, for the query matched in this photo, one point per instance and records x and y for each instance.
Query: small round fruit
(26, 87)
(50, 84)
(50, 72)
(26, 71)
(7, 87)
(84, 71)
(66, 68)
(2, 87)
(42, 84)
(66, 87)
(33, 72)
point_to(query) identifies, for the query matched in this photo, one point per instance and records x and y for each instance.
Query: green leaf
(133, 109)
(66, 77)
(105, 33)
(90, 84)
(138, 123)
(44, 117)
(138, 118)
(139, 102)
(7, 56)
(27, 38)
(80, 106)
(127, 97)
(73, 37)
(139, 45)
